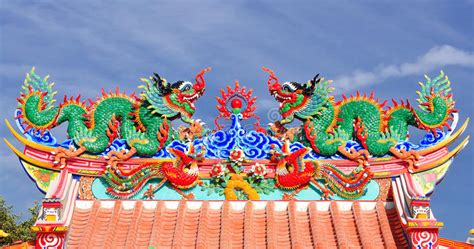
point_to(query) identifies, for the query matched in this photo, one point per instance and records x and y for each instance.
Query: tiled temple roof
(226, 224)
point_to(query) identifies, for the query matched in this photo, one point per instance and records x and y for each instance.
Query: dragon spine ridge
(329, 124)
(143, 122)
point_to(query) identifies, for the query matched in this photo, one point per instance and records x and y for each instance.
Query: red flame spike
(65, 98)
(344, 96)
(394, 102)
(21, 101)
(447, 126)
(372, 95)
(308, 128)
(27, 128)
(358, 93)
(383, 103)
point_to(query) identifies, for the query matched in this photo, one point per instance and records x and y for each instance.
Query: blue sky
(372, 45)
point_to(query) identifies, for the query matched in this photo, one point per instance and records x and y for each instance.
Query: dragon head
(173, 100)
(297, 99)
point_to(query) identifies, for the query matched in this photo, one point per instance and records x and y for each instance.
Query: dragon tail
(436, 103)
(36, 103)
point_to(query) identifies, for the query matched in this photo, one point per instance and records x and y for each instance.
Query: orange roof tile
(235, 224)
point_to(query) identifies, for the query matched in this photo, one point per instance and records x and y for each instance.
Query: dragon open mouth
(191, 98)
(279, 97)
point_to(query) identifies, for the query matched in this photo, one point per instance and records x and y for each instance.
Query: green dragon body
(143, 122)
(328, 125)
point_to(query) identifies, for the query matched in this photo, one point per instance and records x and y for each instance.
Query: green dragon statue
(328, 125)
(143, 122)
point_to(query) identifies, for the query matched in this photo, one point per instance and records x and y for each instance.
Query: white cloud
(436, 58)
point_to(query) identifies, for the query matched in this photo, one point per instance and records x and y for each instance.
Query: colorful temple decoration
(344, 174)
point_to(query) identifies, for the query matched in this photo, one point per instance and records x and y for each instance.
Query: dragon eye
(289, 86)
(185, 86)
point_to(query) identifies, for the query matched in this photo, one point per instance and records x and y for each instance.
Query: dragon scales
(329, 124)
(143, 122)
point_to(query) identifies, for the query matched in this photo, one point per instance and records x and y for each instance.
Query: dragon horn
(200, 79)
(157, 78)
(309, 89)
(316, 79)
(160, 84)
(271, 77)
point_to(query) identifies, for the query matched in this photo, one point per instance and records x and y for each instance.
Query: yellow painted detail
(25, 141)
(41, 176)
(29, 159)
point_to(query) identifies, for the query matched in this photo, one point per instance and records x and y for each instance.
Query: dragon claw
(149, 193)
(189, 196)
(288, 197)
(61, 155)
(115, 156)
(361, 156)
(326, 194)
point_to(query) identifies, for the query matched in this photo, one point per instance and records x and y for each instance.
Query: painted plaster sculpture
(329, 124)
(143, 122)
(127, 147)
